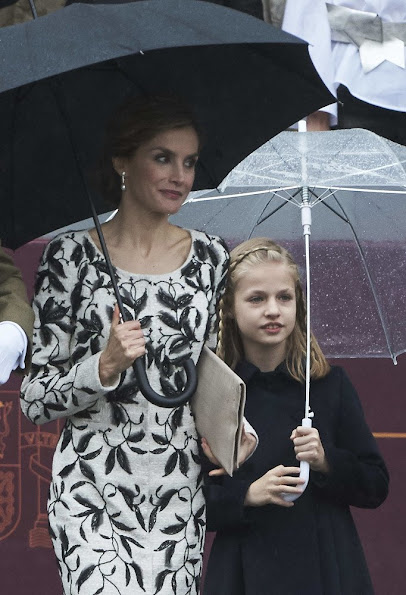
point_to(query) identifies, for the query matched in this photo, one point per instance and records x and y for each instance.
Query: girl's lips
(272, 329)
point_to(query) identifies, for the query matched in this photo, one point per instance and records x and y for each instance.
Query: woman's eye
(162, 158)
(190, 163)
(286, 297)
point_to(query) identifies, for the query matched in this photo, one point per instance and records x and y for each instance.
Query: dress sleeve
(59, 385)
(358, 475)
(222, 259)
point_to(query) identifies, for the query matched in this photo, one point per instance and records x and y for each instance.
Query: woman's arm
(62, 382)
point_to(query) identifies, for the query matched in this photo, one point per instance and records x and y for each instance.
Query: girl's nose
(272, 307)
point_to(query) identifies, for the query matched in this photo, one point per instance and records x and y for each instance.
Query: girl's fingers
(291, 480)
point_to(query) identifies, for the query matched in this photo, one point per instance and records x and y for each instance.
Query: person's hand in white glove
(13, 348)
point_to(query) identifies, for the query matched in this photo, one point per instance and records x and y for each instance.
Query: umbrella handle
(161, 400)
(304, 469)
(139, 365)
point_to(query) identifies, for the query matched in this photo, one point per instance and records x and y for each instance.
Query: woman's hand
(247, 446)
(308, 447)
(269, 488)
(126, 343)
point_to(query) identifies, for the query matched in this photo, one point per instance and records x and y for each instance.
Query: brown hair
(136, 122)
(229, 346)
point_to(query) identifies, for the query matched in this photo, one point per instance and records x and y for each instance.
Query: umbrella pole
(306, 215)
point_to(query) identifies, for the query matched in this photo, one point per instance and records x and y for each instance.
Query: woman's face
(265, 309)
(160, 175)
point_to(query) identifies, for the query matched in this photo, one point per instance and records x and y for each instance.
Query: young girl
(264, 544)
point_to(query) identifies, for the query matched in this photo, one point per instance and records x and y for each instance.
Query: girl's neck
(266, 359)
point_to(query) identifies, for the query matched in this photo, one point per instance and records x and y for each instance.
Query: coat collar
(247, 371)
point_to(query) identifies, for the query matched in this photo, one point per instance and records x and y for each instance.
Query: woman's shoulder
(65, 247)
(68, 237)
(202, 239)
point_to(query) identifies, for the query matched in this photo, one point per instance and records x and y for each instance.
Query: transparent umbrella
(353, 182)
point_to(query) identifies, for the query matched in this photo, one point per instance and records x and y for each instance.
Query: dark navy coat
(312, 548)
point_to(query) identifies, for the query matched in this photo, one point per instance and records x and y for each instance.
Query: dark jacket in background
(312, 548)
(252, 7)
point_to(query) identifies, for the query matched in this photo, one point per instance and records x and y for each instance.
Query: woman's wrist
(107, 374)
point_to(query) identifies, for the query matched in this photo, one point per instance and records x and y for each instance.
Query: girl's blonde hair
(229, 347)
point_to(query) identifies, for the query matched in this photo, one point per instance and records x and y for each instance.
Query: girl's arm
(59, 385)
(357, 474)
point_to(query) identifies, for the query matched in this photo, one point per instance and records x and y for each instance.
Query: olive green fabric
(20, 11)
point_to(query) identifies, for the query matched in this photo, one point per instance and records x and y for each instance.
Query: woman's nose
(178, 172)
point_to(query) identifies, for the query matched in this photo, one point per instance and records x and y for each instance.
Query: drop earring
(123, 186)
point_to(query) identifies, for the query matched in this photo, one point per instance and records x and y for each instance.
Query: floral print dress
(126, 508)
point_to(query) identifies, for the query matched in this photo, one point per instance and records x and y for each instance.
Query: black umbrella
(64, 73)
(246, 79)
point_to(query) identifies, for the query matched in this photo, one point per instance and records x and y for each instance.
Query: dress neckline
(123, 272)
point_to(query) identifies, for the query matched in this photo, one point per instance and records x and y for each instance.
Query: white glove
(13, 348)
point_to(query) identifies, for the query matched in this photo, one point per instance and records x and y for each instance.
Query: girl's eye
(286, 297)
(255, 299)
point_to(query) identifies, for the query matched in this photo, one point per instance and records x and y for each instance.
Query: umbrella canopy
(63, 74)
(356, 183)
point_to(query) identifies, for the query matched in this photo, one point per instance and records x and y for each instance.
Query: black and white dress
(126, 508)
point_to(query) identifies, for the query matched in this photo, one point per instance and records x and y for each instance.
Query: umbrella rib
(336, 212)
(259, 217)
(288, 200)
(371, 283)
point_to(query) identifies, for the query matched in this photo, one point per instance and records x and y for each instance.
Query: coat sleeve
(62, 381)
(358, 475)
(225, 501)
(14, 305)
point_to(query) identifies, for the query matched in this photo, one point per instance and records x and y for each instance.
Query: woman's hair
(136, 122)
(229, 346)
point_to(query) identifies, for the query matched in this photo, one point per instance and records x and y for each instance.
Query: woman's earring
(123, 186)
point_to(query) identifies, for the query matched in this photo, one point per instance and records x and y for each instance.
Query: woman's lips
(175, 194)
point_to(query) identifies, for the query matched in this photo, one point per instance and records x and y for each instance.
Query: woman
(126, 508)
(266, 544)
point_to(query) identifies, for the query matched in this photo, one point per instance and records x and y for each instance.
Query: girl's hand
(247, 446)
(269, 488)
(308, 447)
(126, 343)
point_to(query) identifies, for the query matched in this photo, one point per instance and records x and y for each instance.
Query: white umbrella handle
(304, 469)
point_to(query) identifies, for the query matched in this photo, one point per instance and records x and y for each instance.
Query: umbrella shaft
(308, 332)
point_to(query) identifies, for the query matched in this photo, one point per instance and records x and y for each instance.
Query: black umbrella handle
(160, 400)
(139, 365)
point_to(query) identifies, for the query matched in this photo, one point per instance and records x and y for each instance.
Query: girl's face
(160, 174)
(265, 310)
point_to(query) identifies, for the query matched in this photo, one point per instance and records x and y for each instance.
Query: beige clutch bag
(218, 407)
